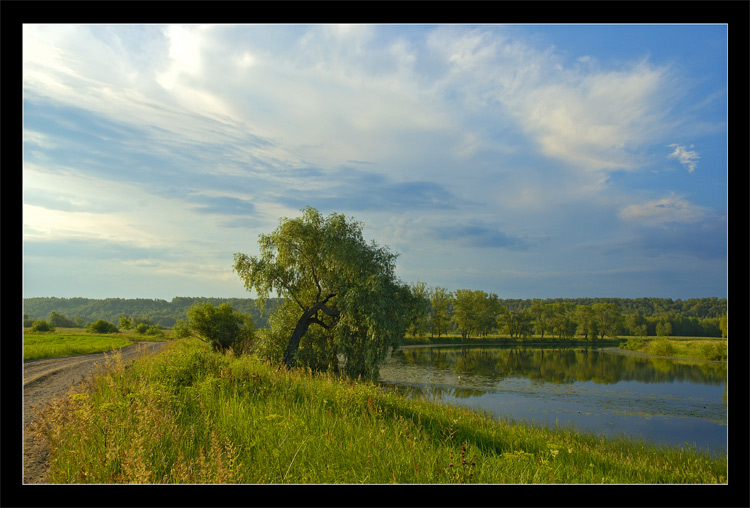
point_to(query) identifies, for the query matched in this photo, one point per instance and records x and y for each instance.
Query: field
(189, 415)
(75, 341)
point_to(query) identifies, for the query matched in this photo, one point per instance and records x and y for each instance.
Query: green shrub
(221, 327)
(42, 326)
(661, 347)
(154, 330)
(102, 326)
(60, 321)
(633, 344)
(713, 351)
(141, 328)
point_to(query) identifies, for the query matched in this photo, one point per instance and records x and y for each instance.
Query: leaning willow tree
(347, 297)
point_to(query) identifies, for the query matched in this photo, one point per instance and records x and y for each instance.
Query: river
(663, 400)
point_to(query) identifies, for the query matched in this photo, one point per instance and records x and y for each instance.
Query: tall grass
(189, 415)
(701, 349)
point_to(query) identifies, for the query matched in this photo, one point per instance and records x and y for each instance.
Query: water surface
(661, 400)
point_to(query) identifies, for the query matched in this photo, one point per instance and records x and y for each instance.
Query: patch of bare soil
(50, 378)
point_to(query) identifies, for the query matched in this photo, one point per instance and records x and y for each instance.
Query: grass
(714, 349)
(75, 341)
(189, 415)
(495, 339)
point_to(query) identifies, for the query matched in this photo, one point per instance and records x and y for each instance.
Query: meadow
(190, 415)
(76, 341)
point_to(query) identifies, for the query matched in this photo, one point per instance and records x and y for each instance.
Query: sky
(529, 161)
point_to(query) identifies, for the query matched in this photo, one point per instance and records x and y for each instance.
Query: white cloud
(688, 158)
(660, 212)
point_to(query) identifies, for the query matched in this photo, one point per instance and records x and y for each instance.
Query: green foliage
(102, 326)
(562, 320)
(517, 323)
(221, 327)
(633, 344)
(339, 283)
(586, 320)
(272, 342)
(661, 347)
(42, 326)
(476, 312)
(156, 311)
(146, 329)
(60, 321)
(695, 317)
(440, 300)
(715, 351)
(420, 321)
(125, 322)
(608, 318)
(53, 345)
(192, 416)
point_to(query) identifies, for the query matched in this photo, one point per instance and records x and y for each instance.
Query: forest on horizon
(166, 313)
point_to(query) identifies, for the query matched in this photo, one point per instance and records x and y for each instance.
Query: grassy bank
(189, 415)
(75, 341)
(506, 340)
(713, 349)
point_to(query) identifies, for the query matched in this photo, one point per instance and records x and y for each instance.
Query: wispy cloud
(688, 158)
(459, 145)
(664, 211)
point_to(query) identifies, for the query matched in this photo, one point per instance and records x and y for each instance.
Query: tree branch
(321, 323)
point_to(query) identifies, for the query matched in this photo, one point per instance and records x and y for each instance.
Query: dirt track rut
(49, 378)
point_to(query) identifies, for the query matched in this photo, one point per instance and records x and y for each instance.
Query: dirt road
(49, 378)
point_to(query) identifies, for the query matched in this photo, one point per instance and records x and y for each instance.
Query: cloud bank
(479, 152)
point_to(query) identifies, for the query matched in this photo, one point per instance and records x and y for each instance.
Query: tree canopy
(343, 287)
(221, 327)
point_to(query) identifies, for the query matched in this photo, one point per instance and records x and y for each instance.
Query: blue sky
(532, 161)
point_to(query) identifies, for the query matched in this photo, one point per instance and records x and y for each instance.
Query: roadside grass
(190, 415)
(76, 341)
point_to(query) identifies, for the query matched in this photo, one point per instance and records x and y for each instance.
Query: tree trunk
(307, 318)
(299, 331)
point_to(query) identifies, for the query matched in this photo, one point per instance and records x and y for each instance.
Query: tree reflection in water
(657, 398)
(564, 365)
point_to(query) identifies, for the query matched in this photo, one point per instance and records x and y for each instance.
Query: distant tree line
(471, 313)
(80, 312)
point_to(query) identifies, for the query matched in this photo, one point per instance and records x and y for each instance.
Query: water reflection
(658, 399)
(562, 365)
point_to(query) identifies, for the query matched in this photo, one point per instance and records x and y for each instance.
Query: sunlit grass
(189, 415)
(75, 341)
(714, 349)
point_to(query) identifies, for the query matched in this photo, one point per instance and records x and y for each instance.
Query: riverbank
(508, 341)
(627, 352)
(190, 415)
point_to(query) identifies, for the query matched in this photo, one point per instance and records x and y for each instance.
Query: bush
(141, 328)
(633, 344)
(145, 329)
(221, 327)
(661, 347)
(102, 326)
(713, 351)
(42, 326)
(60, 320)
